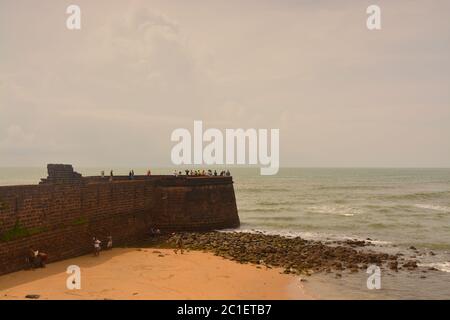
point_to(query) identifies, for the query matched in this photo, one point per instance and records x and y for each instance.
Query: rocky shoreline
(294, 255)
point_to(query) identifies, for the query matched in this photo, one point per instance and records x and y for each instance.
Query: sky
(111, 93)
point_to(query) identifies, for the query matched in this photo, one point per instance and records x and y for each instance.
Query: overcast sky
(112, 93)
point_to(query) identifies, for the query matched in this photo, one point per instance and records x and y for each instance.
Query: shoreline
(154, 273)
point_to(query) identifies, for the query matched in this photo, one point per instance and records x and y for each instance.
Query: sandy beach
(146, 273)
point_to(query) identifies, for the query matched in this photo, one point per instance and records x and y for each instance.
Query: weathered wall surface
(61, 218)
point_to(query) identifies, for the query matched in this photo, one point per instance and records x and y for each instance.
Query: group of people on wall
(130, 174)
(111, 174)
(203, 173)
(176, 173)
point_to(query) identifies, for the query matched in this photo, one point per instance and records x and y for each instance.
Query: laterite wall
(61, 218)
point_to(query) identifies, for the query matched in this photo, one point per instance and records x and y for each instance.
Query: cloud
(16, 138)
(138, 69)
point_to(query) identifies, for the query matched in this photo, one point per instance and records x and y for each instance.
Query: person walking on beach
(111, 176)
(179, 245)
(110, 243)
(97, 247)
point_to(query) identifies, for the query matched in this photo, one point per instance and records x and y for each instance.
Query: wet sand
(147, 273)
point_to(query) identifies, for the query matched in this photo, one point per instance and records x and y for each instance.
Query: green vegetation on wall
(80, 221)
(19, 231)
(3, 205)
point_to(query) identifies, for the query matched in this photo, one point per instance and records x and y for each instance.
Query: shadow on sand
(18, 278)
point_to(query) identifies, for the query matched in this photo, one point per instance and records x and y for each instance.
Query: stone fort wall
(61, 215)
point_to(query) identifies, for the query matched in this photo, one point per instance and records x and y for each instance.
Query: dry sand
(154, 274)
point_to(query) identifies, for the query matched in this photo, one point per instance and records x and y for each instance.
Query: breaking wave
(419, 196)
(433, 207)
(337, 210)
(442, 266)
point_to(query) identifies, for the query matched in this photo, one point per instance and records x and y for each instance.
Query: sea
(394, 209)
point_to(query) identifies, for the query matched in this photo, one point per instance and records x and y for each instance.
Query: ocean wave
(261, 189)
(433, 207)
(379, 226)
(352, 187)
(266, 219)
(271, 209)
(418, 195)
(442, 266)
(275, 203)
(308, 235)
(337, 210)
(284, 233)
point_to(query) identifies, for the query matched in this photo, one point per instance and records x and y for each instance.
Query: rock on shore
(295, 255)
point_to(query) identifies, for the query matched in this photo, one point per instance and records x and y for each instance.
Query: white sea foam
(442, 266)
(433, 207)
(283, 233)
(341, 210)
(374, 242)
(308, 235)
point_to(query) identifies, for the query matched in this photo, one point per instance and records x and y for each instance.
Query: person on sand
(43, 257)
(97, 247)
(110, 243)
(31, 256)
(36, 259)
(179, 245)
